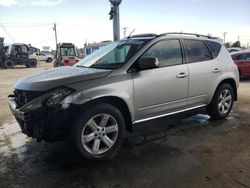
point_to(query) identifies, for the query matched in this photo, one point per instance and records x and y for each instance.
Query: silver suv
(140, 78)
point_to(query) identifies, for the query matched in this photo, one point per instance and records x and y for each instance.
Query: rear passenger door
(204, 70)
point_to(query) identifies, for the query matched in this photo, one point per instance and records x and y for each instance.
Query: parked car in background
(42, 56)
(234, 49)
(242, 60)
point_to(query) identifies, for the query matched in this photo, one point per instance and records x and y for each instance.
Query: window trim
(185, 49)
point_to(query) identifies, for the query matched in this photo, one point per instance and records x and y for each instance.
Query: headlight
(50, 99)
(56, 96)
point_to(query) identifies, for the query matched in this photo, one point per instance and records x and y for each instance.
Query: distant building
(90, 48)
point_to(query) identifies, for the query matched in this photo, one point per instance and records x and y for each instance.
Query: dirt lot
(194, 152)
(8, 77)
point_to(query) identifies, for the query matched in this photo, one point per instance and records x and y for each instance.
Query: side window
(168, 52)
(196, 51)
(24, 49)
(234, 57)
(242, 57)
(248, 56)
(214, 47)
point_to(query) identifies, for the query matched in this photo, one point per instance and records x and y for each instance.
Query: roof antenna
(130, 33)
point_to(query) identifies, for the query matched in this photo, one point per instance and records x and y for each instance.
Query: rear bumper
(43, 123)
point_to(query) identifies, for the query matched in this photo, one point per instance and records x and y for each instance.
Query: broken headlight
(50, 99)
(56, 96)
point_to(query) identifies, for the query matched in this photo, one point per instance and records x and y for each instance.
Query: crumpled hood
(56, 77)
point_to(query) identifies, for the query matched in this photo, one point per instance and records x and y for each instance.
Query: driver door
(161, 90)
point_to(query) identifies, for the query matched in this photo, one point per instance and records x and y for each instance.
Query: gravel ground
(193, 152)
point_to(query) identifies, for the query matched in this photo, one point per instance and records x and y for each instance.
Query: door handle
(216, 70)
(182, 75)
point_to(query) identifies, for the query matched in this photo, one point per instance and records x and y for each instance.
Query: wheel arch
(239, 72)
(115, 101)
(232, 83)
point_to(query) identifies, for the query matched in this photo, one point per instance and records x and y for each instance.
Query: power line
(44, 40)
(5, 30)
(26, 24)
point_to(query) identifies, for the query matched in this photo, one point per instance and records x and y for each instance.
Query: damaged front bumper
(40, 121)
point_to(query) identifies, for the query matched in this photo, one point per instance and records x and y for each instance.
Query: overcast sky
(31, 21)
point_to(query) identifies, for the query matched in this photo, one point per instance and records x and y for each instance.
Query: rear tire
(99, 132)
(9, 64)
(49, 60)
(222, 102)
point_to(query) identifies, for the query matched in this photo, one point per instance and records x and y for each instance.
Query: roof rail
(143, 35)
(192, 34)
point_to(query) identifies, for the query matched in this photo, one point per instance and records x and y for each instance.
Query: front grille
(22, 97)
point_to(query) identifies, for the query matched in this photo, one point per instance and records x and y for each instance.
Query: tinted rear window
(196, 51)
(214, 47)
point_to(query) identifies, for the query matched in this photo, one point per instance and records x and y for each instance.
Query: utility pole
(54, 28)
(115, 16)
(224, 37)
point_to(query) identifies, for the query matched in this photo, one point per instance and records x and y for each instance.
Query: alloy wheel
(225, 101)
(99, 134)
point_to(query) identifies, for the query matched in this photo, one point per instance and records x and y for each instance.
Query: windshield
(113, 55)
(68, 51)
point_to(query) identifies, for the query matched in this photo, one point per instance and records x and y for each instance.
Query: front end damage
(41, 114)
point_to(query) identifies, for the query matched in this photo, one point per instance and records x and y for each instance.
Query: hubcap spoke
(220, 104)
(96, 146)
(227, 105)
(228, 98)
(88, 138)
(225, 93)
(223, 109)
(104, 120)
(111, 129)
(92, 124)
(107, 141)
(221, 96)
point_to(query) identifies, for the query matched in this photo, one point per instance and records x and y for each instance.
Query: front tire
(99, 132)
(222, 102)
(9, 64)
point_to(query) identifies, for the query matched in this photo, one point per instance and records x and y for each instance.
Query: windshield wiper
(99, 67)
(81, 66)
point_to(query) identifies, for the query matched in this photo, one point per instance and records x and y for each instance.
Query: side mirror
(148, 62)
